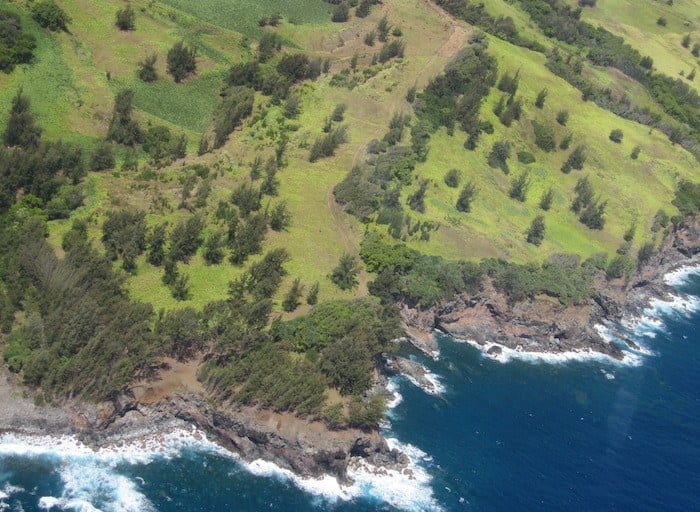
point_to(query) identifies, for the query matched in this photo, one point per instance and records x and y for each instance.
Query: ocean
(515, 434)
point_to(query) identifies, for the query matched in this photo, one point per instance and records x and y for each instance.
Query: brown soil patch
(176, 376)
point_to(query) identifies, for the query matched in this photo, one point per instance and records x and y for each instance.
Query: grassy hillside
(75, 76)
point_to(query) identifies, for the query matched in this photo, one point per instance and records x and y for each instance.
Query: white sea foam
(584, 355)
(90, 477)
(680, 275)
(393, 389)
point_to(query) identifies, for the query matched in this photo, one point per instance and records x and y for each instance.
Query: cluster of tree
(325, 145)
(413, 278)
(475, 13)
(561, 276)
(590, 209)
(346, 338)
(561, 21)
(569, 68)
(16, 45)
(39, 168)
(81, 336)
(455, 96)
(236, 104)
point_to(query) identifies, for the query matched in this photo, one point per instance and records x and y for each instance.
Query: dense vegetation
(184, 196)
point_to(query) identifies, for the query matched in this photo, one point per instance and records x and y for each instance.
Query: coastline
(541, 329)
(333, 462)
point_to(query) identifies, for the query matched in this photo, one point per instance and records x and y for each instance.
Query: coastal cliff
(544, 325)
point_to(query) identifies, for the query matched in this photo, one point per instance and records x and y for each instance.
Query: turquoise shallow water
(502, 436)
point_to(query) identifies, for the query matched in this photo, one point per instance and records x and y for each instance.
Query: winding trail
(458, 39)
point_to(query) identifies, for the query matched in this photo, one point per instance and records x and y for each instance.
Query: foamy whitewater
(611, 426)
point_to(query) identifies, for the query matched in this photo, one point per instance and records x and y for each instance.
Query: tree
(416, 201)
(291, 299)
(616, 135)
(535, 234)
(593, 215)
(563, 117)
(21, 129)
(452, 178)
(344, 275)
(383, 28)
(685, 42)
(546, 199)
(156, 245)
(584, 194)
(124, 235)
(147, 69)
(466, 196)
(49, 15)
(122, 128)
(103, 157)
(541, 97)
(16, 45)
(341, 12)
(312, 296)
(180, 289)
(181, 61)
(280, 217)
(635, 152)
(126, 18)
(186, 238)
(500, 153)
(269, 44)
(213, 249)
(520, 186)
(575, 160)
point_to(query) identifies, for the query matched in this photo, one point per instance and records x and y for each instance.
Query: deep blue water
(514, 436)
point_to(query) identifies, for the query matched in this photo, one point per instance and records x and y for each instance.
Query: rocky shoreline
(308, 447)
(544, 326)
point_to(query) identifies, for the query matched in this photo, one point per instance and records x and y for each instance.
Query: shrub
(499, 155)
(391, 50)
(16, 45)
(635, 152)
(620, 266)
(616, 135)
(291, 299)
(566, 141)
(312, 296)
(416, 201)
(341, 12)
(661, 21)
(575, 160)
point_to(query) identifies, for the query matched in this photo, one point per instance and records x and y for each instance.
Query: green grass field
(72, 97)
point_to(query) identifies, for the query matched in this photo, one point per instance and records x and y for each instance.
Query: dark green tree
(344, 275)
(291, 299)
(466, 196)
(21, 128)
(181, 61)
(156, 245)
(49, 15)
(541, 97)
(126, 18)
(122, 128)
(519, 187)
(416, 201)
(147, 69)
(535, 234)
(546, 199)
(102, 158)
(452, 178)
(312, 296)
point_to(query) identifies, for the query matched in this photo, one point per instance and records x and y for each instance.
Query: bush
(620, 266)
(291, 299)
(499, 155)
(687, 198)
(49, 15)
(575, 160)
(392, 49)
(661, 21)
(616, 135)
(541, 97)
(635, 152)
(416, 201)
(312, 296)
(341, 13)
